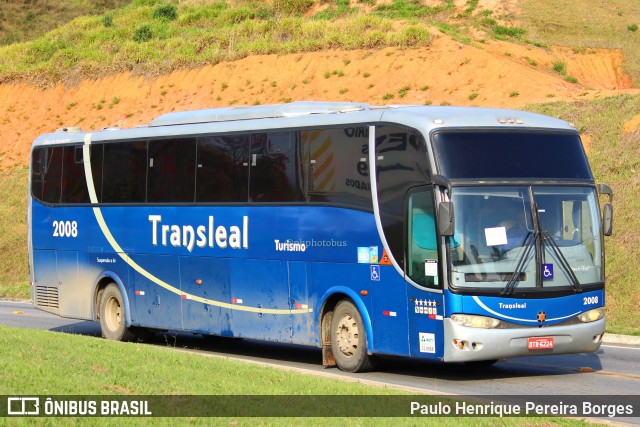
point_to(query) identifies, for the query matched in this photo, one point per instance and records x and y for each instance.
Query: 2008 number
(65, 229)
(590, 300)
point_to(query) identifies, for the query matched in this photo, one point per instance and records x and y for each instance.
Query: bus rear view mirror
(607, 219)
(607, 209)
(446, 219)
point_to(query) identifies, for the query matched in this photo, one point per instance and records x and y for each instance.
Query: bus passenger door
(423, 264)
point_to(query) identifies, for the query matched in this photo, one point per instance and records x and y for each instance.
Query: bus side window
(46, 174)
(124, 172)
(222, 169)
(336, 161)
(74, 183)
(274, 169)
(172, 171)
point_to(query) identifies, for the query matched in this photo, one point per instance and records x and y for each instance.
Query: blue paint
(295, 258)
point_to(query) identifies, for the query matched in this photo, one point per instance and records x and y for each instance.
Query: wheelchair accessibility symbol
(547, 271)
(375, 273)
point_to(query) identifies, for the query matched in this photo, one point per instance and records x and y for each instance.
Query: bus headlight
(473, 321)
(592, 315)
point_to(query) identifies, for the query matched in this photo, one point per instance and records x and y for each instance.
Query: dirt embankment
(496, 74)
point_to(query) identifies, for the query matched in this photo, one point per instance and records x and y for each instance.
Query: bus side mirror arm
(607, 209)
(446, 219)
(442, 181)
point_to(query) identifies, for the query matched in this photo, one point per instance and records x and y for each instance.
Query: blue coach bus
(453, 234)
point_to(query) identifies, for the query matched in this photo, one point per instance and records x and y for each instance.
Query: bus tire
(112, 316)
(349, 339)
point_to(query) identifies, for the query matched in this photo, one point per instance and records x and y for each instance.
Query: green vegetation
(561, 67)
(14, 273)
(156, 37)
(585, 24)
(47, 363)
(22, 20)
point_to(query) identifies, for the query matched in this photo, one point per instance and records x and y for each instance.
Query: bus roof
(310, 114)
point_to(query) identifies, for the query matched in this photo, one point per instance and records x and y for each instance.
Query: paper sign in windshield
(496, 236)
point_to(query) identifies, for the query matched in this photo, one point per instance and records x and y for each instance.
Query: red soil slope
(496, 74)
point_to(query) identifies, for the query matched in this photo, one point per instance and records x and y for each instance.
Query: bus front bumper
(465, 344)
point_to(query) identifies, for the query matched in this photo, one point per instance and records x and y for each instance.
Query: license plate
(540, 343)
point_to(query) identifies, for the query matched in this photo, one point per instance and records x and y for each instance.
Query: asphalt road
(613, 370)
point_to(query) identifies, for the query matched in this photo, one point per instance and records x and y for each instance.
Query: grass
(23, 20)
(14, 273)
(136, 37)
(585, 24)
(154, 37)
(46, 363)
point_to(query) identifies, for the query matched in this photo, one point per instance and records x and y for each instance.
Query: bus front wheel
(112, 321)
(349, 340)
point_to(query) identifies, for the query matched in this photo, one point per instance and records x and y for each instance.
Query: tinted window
(46, 174)
(402, 163)
(508, 154)
(172, 171)
(74, 183)
(275, 171)
(124, 172)
(422, 242)
(338, 170)
(222, 169)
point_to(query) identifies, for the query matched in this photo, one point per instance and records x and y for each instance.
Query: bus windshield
(511, 239)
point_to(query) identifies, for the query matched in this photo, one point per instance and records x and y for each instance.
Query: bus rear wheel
(349, 340)
(112, 320)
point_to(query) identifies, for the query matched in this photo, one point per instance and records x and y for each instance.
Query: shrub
(633, 27)
(142, 34)
(107, 20)
(560, 67)
(166, 12)
(403, 91)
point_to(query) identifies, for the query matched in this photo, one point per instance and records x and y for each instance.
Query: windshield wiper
(546, 237)
(529, 242)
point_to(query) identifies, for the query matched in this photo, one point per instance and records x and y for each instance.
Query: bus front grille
(47, 296)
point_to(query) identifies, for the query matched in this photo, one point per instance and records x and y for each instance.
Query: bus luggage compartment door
(58, 288)
(46, 289)
(260, 290)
